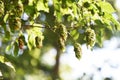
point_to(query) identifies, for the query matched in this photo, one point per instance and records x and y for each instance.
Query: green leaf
(31, 40)
(75, 34)
(75, 13)
(30, 2)
(6, 70)
(58, 16)
(16, 48)
(99, 23)
(9, 48)
(106, 7)
(42, 6)
(86, 4)
(99, 38)
(2, 58)
(116, 23)
(32, 34)
(5, 18)
(65, 11)
(30, 10)
(107, 24)
(109, 18)
(7, 35)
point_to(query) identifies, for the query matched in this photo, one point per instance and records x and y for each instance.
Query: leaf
(107, 24)
(57, 12)
(65, 11)
(41, 6)
(5, 18)
(31, 40)
(75, 34)
(116, 23)
(32, 12)
(32, 34)
(8, 48)
(7, 35)
(75, 12)
(86, 4)
(16, 49)
(1, 58)
(30, 2)
(6, 70)
(112, 20)
(99, 23)
(106, 7)
(99, 38)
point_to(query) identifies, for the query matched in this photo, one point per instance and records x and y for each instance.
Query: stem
(57, 64)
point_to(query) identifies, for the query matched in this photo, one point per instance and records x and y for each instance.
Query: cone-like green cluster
(62, 31)
(14, 23)
(78, 50)
(90, 37)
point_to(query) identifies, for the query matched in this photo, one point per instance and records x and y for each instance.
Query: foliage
(56, 23)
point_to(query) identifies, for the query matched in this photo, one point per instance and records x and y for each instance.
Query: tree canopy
(28, 28)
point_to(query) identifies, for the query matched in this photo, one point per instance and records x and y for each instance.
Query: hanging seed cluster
(18, 9)
(78, 50)
(1, 8)
(90, 37)
(62, 31)
(15, 23)
(15, 17)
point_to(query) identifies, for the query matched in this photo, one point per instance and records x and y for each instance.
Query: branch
(47, 26)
